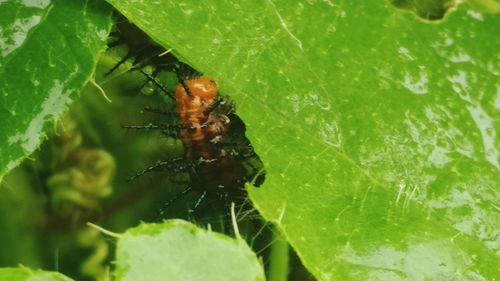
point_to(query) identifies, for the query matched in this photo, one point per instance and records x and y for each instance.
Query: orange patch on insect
(191, 106)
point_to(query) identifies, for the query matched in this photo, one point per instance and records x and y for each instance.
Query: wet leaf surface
(48, 50)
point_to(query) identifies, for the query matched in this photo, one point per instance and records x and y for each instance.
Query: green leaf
(487, 6)
(178, 250)
(48, 51)
(26, 274)
(379, 131)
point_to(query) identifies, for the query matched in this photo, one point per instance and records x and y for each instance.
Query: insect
(217, 155)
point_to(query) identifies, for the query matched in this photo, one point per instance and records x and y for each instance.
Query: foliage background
(378, 129)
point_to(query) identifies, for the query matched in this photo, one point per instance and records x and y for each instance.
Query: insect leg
(177, 197)
(170, 113)
(198, 202)
(181, 80)
(221, 105)
(158, 84)
(176, 164)
(152, 126)
(118, 64)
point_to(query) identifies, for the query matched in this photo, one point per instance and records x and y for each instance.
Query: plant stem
(279, 259)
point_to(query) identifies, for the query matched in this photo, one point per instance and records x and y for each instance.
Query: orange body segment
(191, 107)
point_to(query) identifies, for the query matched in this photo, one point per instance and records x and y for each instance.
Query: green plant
(378, 129)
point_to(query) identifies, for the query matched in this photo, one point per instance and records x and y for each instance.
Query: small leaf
(177, 250)
(48, 51)
(26, 274)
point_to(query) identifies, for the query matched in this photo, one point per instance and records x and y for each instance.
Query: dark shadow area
(432, 10)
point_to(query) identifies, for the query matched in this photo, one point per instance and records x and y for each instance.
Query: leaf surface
(48, 51)
(177, 250)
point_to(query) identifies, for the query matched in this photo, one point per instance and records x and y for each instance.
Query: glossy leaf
(177, 250)
(48, 51)
(379, 131)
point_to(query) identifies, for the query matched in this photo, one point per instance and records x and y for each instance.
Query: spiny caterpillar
(217, 155)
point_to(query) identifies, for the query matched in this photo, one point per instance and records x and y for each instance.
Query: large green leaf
(378, 130)
(48, 50)
(177, 250)
(26, 274)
